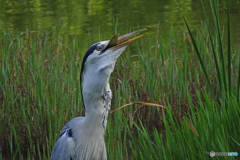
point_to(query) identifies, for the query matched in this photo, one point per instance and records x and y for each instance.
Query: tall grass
(197, 76)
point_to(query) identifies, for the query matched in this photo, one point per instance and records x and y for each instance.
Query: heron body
(82, 138)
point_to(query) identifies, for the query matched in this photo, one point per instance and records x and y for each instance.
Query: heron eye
(99, 48)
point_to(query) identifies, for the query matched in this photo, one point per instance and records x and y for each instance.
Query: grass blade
(196, 49)
(229, 49)
(216, 21)
(213, 49)
(238, 87)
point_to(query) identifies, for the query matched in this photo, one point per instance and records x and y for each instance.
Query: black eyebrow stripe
(89, 51)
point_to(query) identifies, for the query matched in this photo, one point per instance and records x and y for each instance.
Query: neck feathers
(97, 105)
(106, 100)
(97, 94)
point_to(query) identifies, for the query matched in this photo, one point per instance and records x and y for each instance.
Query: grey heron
(82, 138)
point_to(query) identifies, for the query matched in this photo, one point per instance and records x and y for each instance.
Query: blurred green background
(87, 18)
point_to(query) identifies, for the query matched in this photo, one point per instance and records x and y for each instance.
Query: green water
(94, 19)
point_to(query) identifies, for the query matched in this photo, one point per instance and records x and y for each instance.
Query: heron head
(99, 60)
(102, 56)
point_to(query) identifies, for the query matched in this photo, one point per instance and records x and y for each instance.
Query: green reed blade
(238, 86)
(212, 46)
(229, 48)
(214, 7)
(196, 49)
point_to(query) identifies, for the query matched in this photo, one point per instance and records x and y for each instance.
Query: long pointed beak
(120, 41)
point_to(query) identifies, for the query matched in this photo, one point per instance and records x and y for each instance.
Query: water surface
(93, 19)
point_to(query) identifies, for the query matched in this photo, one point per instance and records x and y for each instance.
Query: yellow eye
(99, 48)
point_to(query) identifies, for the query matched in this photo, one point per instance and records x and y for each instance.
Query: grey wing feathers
(70, 124)
(64, 149)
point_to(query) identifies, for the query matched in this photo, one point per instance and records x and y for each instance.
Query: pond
(94, 19)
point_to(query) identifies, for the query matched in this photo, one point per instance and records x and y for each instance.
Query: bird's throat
(97, 108)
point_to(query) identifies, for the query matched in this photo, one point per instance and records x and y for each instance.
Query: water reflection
(94, 18)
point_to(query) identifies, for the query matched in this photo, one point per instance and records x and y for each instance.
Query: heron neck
(97, 100)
